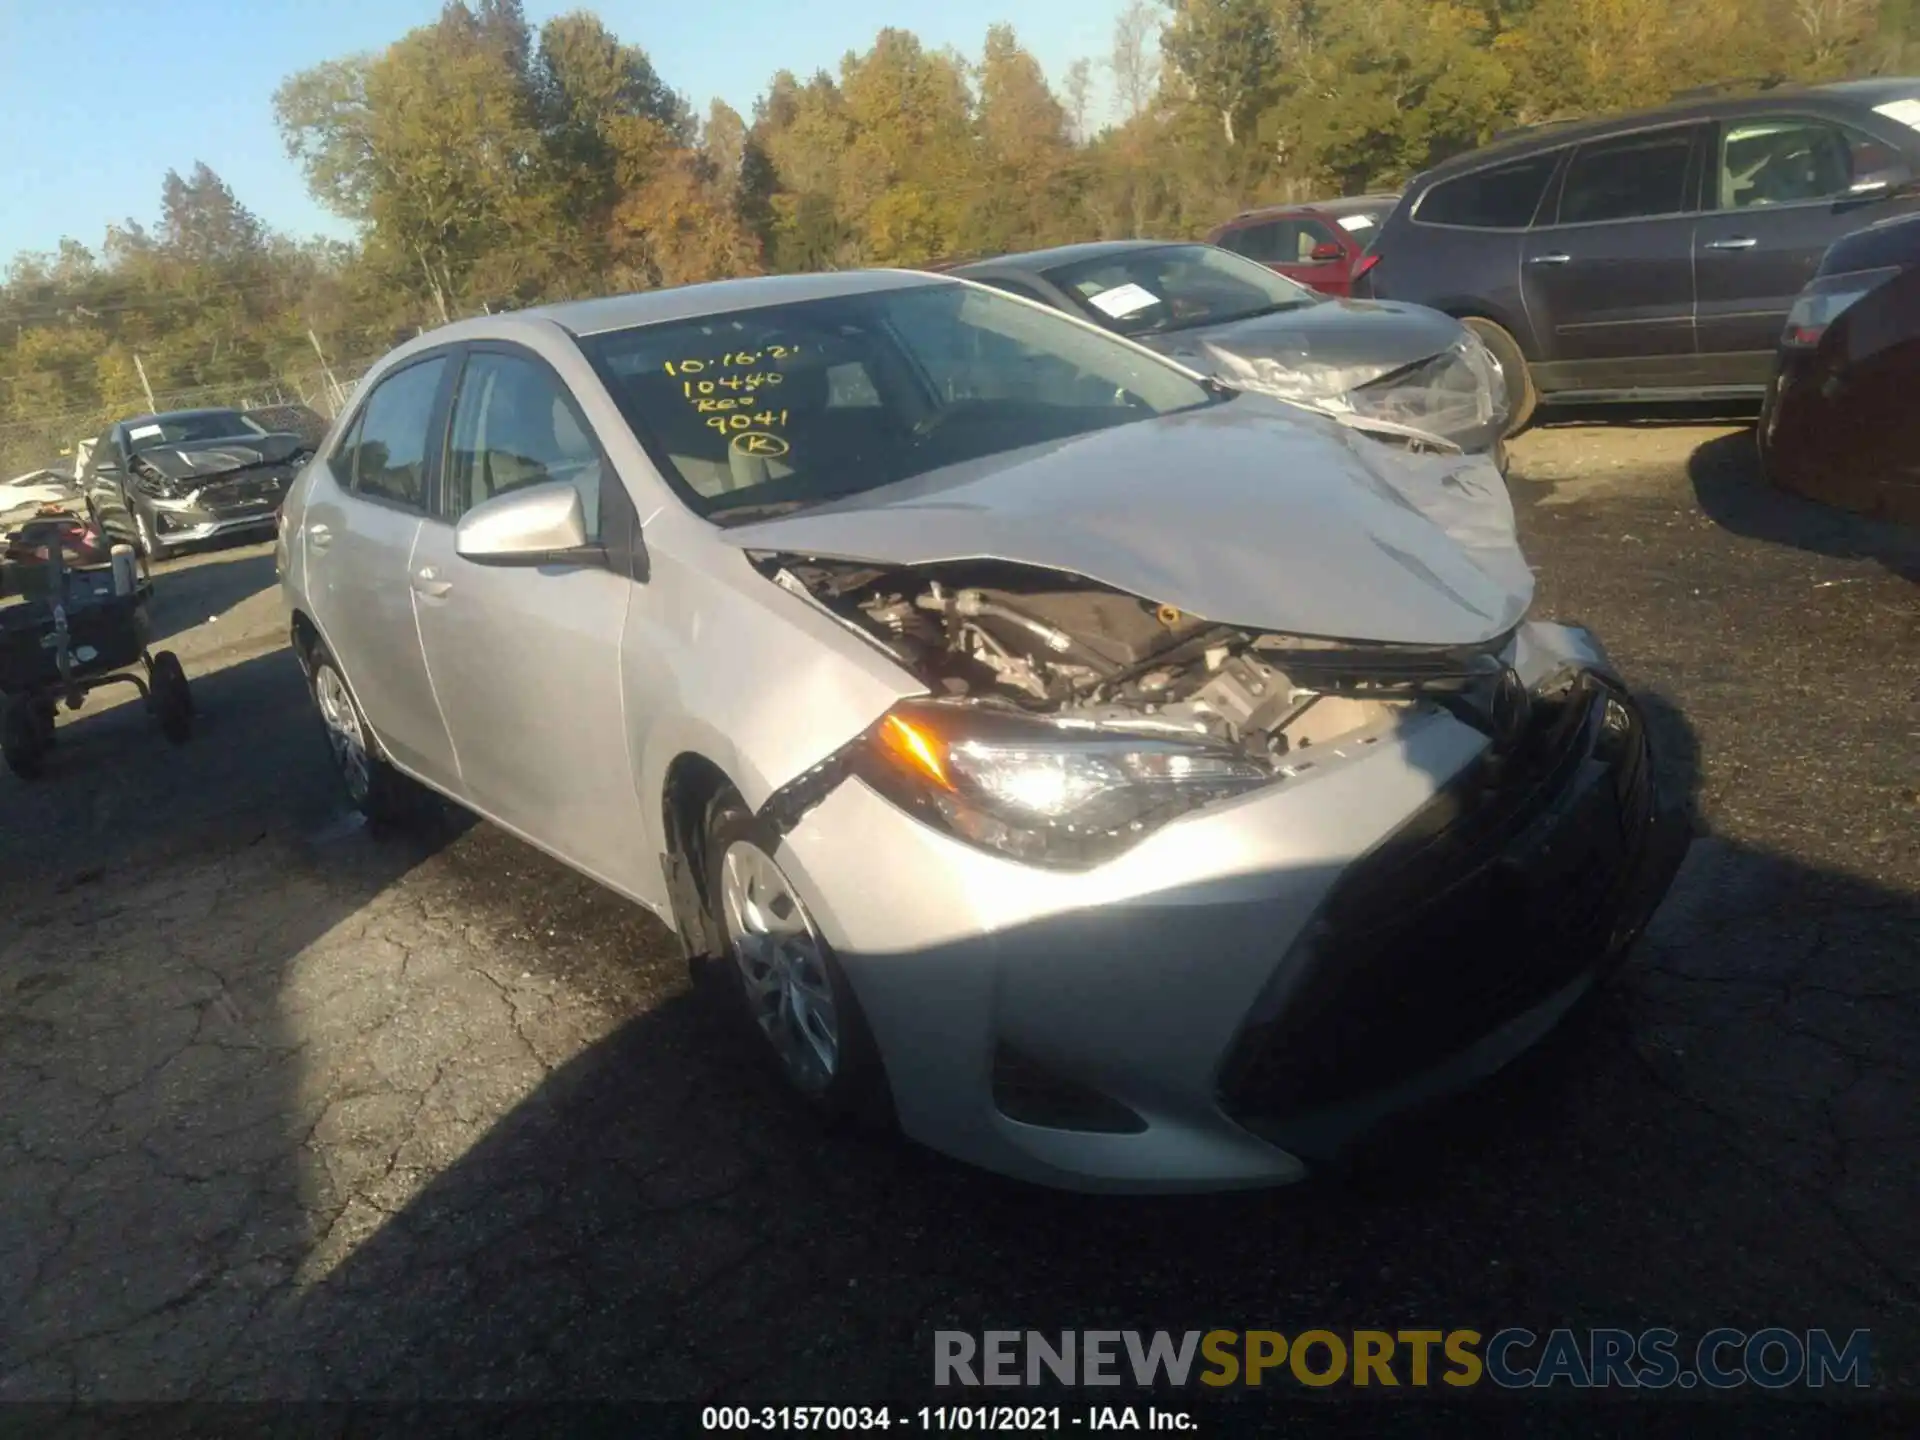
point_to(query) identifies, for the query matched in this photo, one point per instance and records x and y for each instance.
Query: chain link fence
(289, 400)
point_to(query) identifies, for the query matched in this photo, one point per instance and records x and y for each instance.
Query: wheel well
(692, 783)
(305, 636)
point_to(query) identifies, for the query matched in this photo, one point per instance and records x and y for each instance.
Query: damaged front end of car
(198, 491)
(1457, 396)
(1065, 720)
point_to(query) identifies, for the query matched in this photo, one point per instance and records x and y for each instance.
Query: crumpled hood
(199, 462)
(1241, 513)
(1334, 345)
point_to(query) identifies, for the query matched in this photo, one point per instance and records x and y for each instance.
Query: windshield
(1176, 287)
(758, 412)
(195, 429)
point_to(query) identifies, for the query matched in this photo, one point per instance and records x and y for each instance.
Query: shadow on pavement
(1714, 1141)
(190, 593)
(1727, 481)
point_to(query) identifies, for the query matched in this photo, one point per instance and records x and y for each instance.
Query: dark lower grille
(1499, 892)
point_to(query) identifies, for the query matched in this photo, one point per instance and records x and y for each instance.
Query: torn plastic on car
(187, 471)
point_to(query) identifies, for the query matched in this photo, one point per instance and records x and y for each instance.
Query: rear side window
(387, 453)
(1631, 178)
(1501, 198)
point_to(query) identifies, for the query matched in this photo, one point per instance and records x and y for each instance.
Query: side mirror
(1879, 184)
(541, 525)
(1326, 250)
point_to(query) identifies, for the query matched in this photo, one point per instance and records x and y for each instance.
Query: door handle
(1733, 242)
(1559, 257)
(319, 536)
(427, 582)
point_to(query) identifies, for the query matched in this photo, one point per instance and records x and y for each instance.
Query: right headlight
(1055, 793)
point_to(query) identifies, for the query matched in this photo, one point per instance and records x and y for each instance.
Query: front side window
(1502, 197)
(389, 447)
(772, 409)
(1790, 161)
(514, 425)
(1175, 287)
(1631, 178)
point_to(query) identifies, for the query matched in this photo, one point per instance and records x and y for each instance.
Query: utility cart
(69, 625)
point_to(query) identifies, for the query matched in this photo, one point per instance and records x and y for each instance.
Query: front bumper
(1222, 1005)
(189, 525)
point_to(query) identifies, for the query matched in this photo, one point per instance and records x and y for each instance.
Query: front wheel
(792, 992)
(1522, 398)
(151, 546)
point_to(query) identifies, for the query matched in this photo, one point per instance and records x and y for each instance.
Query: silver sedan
(1120, 780)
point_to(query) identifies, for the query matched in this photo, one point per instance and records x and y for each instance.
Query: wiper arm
(738, 514)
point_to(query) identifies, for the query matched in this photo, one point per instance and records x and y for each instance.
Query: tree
(1076, 95)
(1135, 59)
(1227, 52)
(1027, 151)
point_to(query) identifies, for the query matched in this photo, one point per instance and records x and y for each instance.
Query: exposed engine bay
(1023, 639)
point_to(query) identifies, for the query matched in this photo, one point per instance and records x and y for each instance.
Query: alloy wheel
(344, 734)
(783, 966)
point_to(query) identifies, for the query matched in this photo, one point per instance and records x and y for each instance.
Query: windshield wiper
(740, 514)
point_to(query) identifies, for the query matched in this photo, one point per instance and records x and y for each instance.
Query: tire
(23, 739)
(172, 698)
(387, 798)
(787, 991)
(154, 549)
(1521, 394)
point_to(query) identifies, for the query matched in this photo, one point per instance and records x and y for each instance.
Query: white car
(1127, 782)
(28, 492)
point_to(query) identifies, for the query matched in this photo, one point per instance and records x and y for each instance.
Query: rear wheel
(23, 740)
(791, 990)
(1522, 398)
(172, 698)
(374, 788)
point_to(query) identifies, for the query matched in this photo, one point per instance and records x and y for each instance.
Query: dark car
(1842, 416)
(1651, 256)
(1391, 367)
(189, 476)
(1322, 244)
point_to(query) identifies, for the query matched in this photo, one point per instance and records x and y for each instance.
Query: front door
(359, 530)
(1609, 281)
(1779, 195)
(526, 659)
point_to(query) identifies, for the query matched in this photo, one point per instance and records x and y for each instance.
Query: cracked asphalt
(290, 1112)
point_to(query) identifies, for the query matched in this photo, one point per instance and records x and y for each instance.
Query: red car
(1322, 244)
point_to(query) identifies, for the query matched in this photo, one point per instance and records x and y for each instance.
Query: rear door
(1609, 280)
(359, 530)
(525, 660)
(1778, 193)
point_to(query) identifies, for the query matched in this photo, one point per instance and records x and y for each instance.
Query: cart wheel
(21, 740)
(47, 715)
(172, 698)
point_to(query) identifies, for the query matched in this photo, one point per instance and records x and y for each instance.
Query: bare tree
(1831, 26)
(1135, 61)
(1075, 95)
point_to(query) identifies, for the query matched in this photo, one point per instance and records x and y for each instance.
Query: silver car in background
(1122, 781)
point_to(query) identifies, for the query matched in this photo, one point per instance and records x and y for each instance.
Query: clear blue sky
(99, 97)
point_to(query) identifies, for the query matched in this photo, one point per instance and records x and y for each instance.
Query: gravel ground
(289, 1112)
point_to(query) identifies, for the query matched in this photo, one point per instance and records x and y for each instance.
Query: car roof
(1345, 205)
(1042, 260)
(1838, 98)
(716, 297)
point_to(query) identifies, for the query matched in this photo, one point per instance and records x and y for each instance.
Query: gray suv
(1654, 255)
